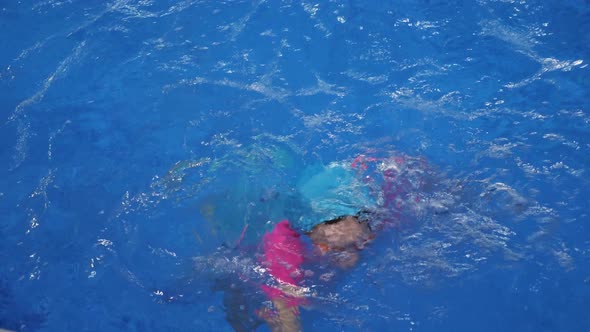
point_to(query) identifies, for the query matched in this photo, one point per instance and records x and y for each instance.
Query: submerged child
(341, 237)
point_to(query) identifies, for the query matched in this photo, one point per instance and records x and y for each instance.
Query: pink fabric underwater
(283, 253)
(283, 256)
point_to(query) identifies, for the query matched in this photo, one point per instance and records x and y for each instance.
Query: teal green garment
(331, 191)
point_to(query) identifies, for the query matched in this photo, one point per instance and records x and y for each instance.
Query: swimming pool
(139, 137)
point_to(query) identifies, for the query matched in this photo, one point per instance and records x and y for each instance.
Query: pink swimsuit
(283, 255)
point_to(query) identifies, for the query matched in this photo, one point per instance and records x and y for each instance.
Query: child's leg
(287, 319)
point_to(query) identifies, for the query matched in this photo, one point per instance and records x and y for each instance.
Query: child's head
(343, 237)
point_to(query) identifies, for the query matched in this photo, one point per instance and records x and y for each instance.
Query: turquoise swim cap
(331, 191)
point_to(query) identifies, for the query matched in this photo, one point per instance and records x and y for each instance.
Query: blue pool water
(139, 138)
